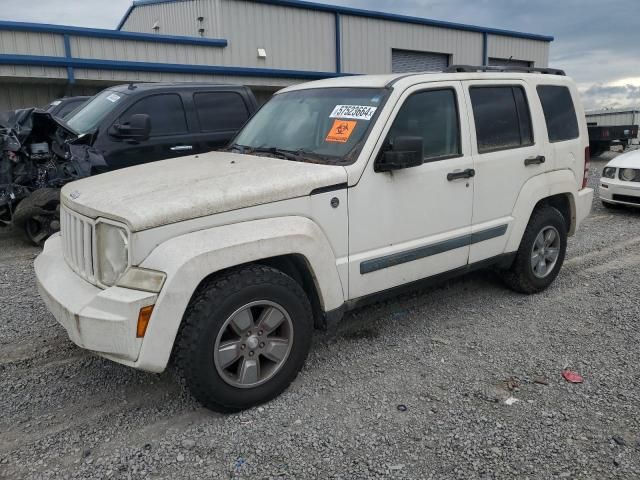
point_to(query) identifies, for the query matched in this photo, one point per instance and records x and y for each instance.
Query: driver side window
(166, 111)
(433, 116)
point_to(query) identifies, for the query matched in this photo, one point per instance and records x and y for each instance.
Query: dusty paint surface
(162, 193)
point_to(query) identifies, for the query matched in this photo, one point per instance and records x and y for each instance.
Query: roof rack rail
(505, 68)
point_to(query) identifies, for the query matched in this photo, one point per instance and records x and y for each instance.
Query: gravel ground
(452, 355)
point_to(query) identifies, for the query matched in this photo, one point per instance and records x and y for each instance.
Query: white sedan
(620, 182)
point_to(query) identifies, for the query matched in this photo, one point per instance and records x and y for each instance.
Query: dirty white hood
(626, 160)
(170, 191)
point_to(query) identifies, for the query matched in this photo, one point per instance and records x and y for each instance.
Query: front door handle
(540, 159)
(468, 173)
(181, 148)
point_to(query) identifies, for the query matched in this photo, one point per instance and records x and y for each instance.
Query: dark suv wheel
(245, 336)
(541, 253)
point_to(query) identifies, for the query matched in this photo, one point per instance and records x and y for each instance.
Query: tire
(203, 328)
(522, 277)
(38, 215)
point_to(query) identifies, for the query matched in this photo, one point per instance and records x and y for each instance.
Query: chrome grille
(77, 239)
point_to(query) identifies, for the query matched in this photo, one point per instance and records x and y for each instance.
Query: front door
(170, 136)
(413, 223)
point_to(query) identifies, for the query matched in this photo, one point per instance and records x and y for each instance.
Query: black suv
(144, 122)
(119, 127)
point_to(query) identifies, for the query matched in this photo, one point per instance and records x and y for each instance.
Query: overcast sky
(596, 41)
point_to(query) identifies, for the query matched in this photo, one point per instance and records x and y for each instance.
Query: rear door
(219, 116)
(169, 132)
(508, 150)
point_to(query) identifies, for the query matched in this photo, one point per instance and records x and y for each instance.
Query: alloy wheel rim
(253, 344)
(545, 252)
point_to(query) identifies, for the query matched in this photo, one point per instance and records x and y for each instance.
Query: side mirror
(405, 152)
(138, 128)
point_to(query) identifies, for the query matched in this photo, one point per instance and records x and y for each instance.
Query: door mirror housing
(405, 152)
(138, 128)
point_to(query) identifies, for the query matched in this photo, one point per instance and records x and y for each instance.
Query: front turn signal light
(143, 320)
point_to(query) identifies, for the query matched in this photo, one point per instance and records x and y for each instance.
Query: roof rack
(505, 68)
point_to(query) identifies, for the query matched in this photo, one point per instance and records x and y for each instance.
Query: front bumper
(613, 186)
(103, 321)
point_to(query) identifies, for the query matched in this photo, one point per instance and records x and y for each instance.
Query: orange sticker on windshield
(341, 131)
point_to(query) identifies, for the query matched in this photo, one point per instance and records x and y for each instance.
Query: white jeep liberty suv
(335, 193)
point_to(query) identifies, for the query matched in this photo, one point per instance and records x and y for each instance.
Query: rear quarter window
(220, 111)
(502, 117)
(559, 112)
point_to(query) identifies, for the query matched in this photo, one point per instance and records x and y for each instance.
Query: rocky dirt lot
(452, 355)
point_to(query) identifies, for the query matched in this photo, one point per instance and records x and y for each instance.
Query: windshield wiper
(300, 155)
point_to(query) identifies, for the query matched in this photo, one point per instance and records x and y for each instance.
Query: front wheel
(541, 253)
(245, 337)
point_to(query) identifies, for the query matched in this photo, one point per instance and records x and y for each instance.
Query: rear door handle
(540, 159)
(468, 173)
(181, 148)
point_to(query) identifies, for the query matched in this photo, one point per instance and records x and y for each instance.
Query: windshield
(87, 118)
(323, 125)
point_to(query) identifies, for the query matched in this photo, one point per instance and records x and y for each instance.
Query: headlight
(112, 244)
(609, 172)
(628, 174)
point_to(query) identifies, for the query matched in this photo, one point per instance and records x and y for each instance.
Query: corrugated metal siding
(367, 43)
(31, 43)
(26, 95)
(533, 51)
(294, 38)
(131, 50)
(177, 18)
(112, 77)
(613, 119)
(501, 62)
(32, 71)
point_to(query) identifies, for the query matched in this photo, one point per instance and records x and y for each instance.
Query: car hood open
(171, 191)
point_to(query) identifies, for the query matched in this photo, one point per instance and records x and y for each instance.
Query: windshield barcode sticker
(355, 112)
(113, 98)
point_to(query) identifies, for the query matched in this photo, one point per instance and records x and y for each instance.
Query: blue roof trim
(104, 33)
(369, 14)
(64, 62)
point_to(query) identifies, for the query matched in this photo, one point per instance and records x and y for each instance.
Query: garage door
(501, 62)
(405, 61)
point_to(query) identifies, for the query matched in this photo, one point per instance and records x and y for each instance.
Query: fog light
(143, 320)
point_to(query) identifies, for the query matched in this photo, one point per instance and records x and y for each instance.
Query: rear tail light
(587, 164)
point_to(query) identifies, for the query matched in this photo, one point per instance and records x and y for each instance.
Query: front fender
(190, 258)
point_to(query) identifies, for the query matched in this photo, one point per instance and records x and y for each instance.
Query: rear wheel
(541, 253)
(245, 336)
(38, 215)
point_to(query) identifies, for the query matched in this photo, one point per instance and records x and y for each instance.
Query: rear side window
(69, 107)
(220, 111)
(502, 118)
(166, 111)
(432, 115)
(559, 113)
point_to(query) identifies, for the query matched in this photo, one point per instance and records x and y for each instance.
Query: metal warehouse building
(614, 117)
(266, 44)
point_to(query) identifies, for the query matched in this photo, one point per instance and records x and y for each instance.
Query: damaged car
(119, 127)
(39, 154)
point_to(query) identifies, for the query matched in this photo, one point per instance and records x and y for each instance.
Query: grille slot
(626, 198)
(77, 240)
